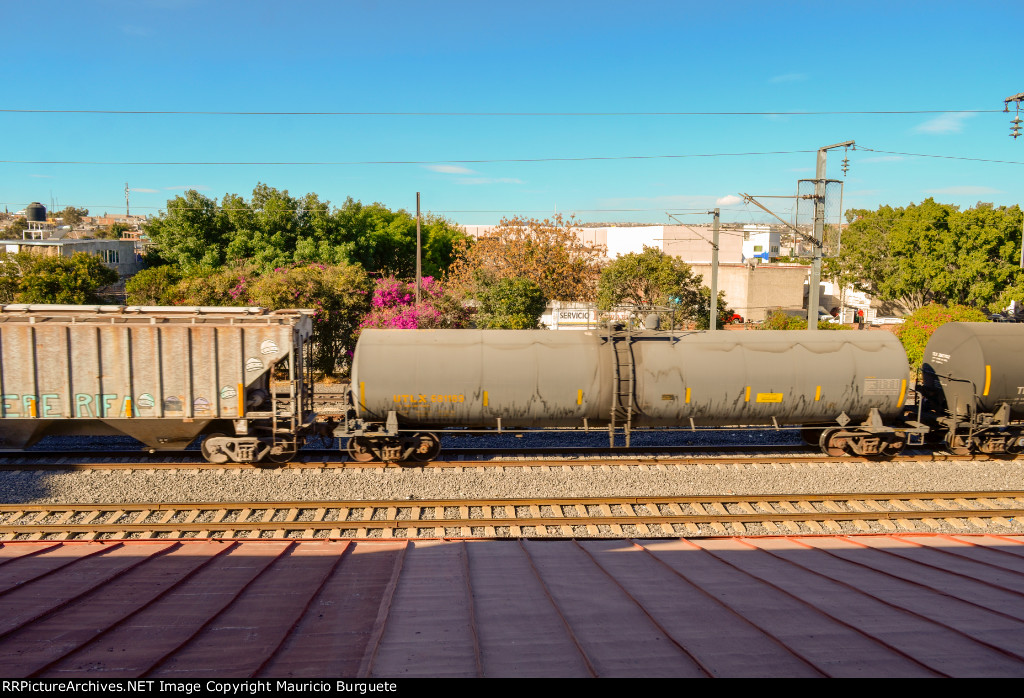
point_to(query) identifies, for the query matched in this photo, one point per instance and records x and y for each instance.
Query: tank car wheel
(960, 445)
(358, 450)
(216, 454)
(1016, 445)
(811, 437)
(832, 444)
(895, 446)
(429, 447)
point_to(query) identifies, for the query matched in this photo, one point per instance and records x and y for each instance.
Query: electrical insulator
(846, 165)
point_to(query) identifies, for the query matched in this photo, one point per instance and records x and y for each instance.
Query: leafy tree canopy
(653, 279)
(551, 253)
(73, 216)
(274, 229)
(510, 304)
(931, 253)
(71, 280)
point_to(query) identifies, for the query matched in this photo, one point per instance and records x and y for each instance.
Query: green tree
(275, 230)
(113, 232)
(654, 279)
(918, 327)
(193, 234)
(930, 253)
(153, 286)
(73, 216)
(67, 280)
(510, 304)
(16, 228)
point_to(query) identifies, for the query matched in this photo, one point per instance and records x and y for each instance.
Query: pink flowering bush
(393, 306)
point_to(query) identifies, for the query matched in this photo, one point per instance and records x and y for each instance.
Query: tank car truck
(845, 388)
(162, 375)
(973, 386)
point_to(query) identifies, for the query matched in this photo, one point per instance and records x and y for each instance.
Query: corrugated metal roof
(779, 606)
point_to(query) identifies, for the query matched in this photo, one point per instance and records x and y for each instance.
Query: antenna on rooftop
(127, 208)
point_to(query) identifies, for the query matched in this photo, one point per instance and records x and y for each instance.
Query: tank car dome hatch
(35, 212)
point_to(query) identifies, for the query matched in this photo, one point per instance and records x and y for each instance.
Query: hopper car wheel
(215, 454)
(832, 443)
(288, 451)
(358, 450)
(429, 447)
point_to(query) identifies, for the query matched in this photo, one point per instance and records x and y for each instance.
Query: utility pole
(419, 251)
(713, 325)
(127, 208)
(814, 290)
(1015, 134)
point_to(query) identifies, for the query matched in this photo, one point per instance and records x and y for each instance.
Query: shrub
(918, 327)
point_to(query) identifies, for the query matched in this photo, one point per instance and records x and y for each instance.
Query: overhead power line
(411, 162)
(183, 112)
(942, 157)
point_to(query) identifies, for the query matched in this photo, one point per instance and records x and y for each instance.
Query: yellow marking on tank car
(768, 397)
(241, 400)
(747, 398)
(817, 394)
(32, 408)
(687, 396)
(579, 397)
(988, 379)
(903, 392)
(128, 407)
(485, 398)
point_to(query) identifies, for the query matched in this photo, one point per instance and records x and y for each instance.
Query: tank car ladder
(621, 342)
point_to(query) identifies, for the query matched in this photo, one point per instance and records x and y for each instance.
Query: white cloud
(49, 177)
(964, 190)
(449, 169)
(944, 123)
(728, 200)
(145, 191)
(788, 77)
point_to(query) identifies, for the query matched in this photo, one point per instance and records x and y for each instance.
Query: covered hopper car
(163, 375)
(848, 389)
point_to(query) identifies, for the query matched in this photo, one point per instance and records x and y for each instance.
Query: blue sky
(436, 58)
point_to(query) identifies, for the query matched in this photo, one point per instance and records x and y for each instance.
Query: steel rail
(282, 517)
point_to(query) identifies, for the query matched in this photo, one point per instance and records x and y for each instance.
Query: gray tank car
(848, 388)
(161, 375)
(973, 386)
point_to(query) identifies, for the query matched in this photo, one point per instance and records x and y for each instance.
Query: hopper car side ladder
(623, 382)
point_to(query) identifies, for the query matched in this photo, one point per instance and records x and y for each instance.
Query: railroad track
(604, 517)
(470, 458)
